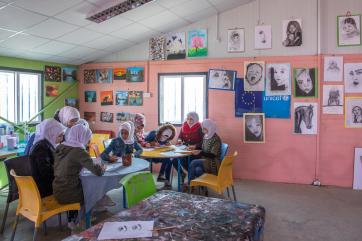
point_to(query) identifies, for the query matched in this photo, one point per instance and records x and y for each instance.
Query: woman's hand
(191, 147)
(155, 144)
(179, 142)
(196, 152)
(148, 145)
(113, 158)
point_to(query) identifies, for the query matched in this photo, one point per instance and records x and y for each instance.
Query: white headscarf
(83, 122)
(78, 136)
(211, 128)
(68, 113)
(193, 116)
(49, 129)
(128, 126)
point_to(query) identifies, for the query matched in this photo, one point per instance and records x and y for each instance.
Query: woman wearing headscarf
(69, 116)
(162, 136)
(124, 144)
(208, 158)
(139, 123)
(70, 157)
(190, 135)
(48, 135)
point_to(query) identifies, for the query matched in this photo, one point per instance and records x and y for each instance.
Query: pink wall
(285, 157)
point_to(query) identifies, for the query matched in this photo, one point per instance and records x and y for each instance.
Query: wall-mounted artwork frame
(349, 30)
(254, 127)
(353, 112)
(305, 82)
(236, 40)
(222, 79)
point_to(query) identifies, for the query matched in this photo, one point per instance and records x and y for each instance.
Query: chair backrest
(224, 150)
(225, 175)
(94, 147)
(98, 139)
(29, 144)
(29, 196)
(4, 181)
(106, 143)
(22, 167)
(138, 186)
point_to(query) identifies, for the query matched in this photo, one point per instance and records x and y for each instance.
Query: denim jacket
(119, 148)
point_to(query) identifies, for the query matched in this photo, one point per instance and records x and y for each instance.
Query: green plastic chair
(136, 187)
(4, 182)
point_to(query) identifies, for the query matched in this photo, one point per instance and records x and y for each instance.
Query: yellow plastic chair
(222, 181)
(98, 140)
(94, 147)
(33, 207)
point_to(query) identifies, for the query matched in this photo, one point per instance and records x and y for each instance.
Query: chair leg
(35, 233)
(232, 186)
(4, 218)
(60, 220)
(45, 228)
(227, 189)
(14, 228)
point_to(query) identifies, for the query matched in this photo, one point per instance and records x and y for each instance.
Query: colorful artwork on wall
(52, 73)
(106, 117)
(247, 101)
(106, 97)
(69, 74)
(333, 99)
(305, 118)
(135, 74)
(254, 128)
(221, 79)
(197, 43)
(122, 116)
(349, 30)
(90, 117)
(278, 81)
(277, 106)
(104, 75)
(305, 82)
(73, 102)
(51, 90)
(175, 45)
(254, 76)
(90, 96)
(90, 76)
(135, 98)
(157, 48)
(119, 73)
(353, 112)
(121, 97)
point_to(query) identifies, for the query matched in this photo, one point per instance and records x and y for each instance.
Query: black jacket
(42, 166)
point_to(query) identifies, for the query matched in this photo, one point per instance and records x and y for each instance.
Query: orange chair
(33, 207)
(94, 147)
(222, 181)
(98, 139)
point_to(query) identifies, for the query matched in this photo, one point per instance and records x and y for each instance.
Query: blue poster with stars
(247, 101)
(277, 106)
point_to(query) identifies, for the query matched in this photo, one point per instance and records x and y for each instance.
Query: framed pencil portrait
(236, 41)
(305, 82)
(221, 79)
(349, 30)
(353, 112)
(254, 128)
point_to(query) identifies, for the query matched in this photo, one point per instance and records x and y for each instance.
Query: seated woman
(49, 134)
(208, 158)
(123, 145)
(190, 135)
(157, 138)
(139, 123)
(70, 157)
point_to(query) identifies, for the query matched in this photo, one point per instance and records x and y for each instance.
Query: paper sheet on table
(148, 149)
(181, 147)
(113, 166)
(168, 153)
(122, 230)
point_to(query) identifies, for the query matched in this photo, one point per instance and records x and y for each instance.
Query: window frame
(182, 74)
(17, 72)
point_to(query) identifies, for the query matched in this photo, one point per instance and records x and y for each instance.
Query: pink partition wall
(285, 157)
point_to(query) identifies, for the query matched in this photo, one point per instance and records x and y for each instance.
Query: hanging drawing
(353, 78)
(278, 81)
(51, 90)
(305, 118)
(106, 117)
(52, 73)
(254, 128)
(119, 73)
(122, 116)
(106, 97)
(254, 79)
(135, 98)
(333, 99)
(197, 43)
(236, 40)
(305, 82)
(247, 101)
(175, 45)
(135, 74)
(90, 76)
(157, 48)
(73, 102)
(221, 79)
(333, 68)
(292, 33)
(121, 97)
(90, 96)
(353, 112)
(69, 74)
(263, 37)
(349, 30)
(104, 75)
(277, 106)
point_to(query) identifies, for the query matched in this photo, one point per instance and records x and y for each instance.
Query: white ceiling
(58, 31)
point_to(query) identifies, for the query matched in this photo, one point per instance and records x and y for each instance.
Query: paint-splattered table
(195, 218)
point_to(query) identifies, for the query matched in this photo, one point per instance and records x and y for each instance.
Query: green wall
(10, 62)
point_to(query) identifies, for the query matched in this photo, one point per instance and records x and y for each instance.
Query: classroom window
(180, 94)
(20, 95)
